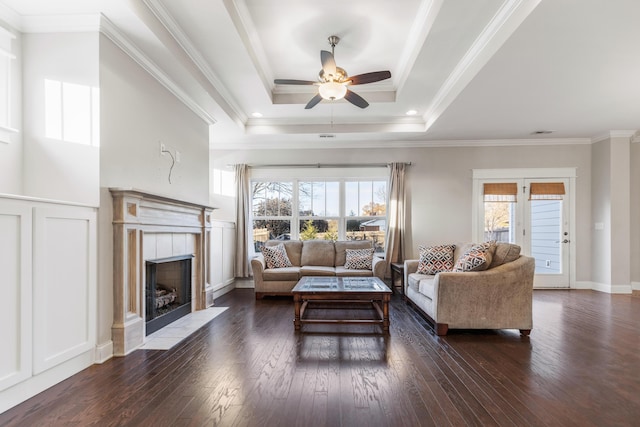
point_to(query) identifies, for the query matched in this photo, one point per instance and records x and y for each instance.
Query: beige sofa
(497, 298)
(309, 258)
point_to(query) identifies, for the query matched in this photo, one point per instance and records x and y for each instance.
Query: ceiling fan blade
(328, 62)
(293, 82)
(313, 102)
(375, 76)
(356, 99)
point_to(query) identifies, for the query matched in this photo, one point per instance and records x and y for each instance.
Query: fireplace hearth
(167, 291)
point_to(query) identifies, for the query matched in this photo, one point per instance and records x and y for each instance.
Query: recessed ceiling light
(256, 114)
(541, 132)
(411, 113)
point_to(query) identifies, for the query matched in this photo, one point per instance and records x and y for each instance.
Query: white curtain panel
(243, 220)
(394, 251)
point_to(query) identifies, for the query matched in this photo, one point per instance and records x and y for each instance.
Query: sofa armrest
(258, 265)
(496, 298)
(410, 266)
(379, 267)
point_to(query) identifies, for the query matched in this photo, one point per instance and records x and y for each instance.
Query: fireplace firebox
(168, 291)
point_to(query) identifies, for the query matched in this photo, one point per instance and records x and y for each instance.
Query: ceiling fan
(333, 81)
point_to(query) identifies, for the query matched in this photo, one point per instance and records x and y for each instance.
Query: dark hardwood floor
(247, 367)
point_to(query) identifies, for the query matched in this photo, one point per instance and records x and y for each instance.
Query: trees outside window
(329, 210)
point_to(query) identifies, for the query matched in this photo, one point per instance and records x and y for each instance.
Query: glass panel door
(547, 236)
(538, 224)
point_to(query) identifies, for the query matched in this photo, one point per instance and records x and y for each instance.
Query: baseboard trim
(609, 289)
(104, 352)
(242, 283)
(583, 285)
(222, 290)
(635, 286)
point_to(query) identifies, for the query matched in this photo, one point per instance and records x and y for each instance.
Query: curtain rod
(321, 165)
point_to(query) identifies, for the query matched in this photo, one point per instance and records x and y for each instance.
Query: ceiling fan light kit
(333, 81)
(332, 90)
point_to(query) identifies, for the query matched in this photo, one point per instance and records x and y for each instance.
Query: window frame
(342, 217)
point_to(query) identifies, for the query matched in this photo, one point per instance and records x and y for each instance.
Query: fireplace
(148, 231)
(167, 291)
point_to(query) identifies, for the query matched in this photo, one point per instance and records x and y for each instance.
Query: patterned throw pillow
(434, 259)
(359, 259)
(477, 258)
(276, 256)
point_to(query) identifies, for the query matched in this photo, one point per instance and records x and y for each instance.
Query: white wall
(635, 214)
(439, 183)
(601, 212)
(57, 169)
(11, 152)
(136, 114)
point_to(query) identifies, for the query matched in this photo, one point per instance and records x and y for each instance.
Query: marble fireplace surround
(149, 226)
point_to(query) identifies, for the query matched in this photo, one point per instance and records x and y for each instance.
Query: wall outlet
(178, 156)
(162, 149)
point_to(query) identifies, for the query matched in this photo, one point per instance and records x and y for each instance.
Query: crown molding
(165, 18)
(80, 23)
(127, 46)
(505, 22)
(337, 144)
(420, 29)
(630, 134)
(11, 17)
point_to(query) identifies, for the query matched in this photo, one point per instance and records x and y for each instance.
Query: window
(366, 208)
(72, 112)
(223, 182)
(9, 93)
(319, 210)
(272, 213)
(331, 209)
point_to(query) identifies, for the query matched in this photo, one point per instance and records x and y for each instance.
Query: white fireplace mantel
(148, 226)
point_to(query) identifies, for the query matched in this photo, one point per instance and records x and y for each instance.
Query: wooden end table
(397, 268)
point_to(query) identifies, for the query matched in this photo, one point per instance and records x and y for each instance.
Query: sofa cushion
(434, 259)
(317, 270)
(413, 280)
(276, 256)
(343, 272)
(282, 274)
(318, 252)
(359, 259)
(342, 246)
(477, 258)
(293, 248)
(504, 253)
(426, 286)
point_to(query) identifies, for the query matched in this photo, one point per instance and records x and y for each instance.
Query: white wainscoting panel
(48, 259)
(228, 253)
(64, 284)
(222, 253)
(15, 277)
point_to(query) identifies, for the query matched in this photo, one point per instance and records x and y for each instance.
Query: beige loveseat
(309, 258)
(497, 298)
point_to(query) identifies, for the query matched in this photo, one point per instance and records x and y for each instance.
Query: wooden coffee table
(329, 289)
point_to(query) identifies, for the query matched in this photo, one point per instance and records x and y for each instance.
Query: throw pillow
(434, 259)
(276, 256)
(359, 259)
(477, 258)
